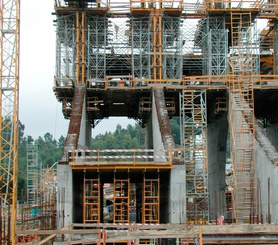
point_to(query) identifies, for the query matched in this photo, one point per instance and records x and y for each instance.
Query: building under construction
(204, 62)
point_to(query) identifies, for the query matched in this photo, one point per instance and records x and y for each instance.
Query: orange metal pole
(77, 47)
(154, 46)
(83, 48)
(160, 43)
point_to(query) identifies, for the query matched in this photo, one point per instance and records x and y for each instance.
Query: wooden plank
(47, 239)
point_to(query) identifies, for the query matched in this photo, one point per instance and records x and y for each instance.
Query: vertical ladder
(121, 200)
(194, 123)
(151, 197)
(91, 206)
(241, 118)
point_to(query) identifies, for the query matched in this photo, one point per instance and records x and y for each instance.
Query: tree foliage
(49, 152)
(131, 137)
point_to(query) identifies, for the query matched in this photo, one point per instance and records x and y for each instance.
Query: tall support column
(194, 125)
(9, 79)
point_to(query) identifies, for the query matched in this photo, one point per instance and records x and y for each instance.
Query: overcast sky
(39, 110)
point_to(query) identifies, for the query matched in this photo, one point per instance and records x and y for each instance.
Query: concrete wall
(64, 185)
(217, 132)
(177, 195)
(266, 169)
(272, 133)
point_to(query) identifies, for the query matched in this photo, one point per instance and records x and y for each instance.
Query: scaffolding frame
(241, 118)
(65, 50)
(151, 201)
(92, 201)
(96, 50)
(121, 200)
(194, 44)
(194, 142)
(217, 46)
(156, 45)
(32, 174)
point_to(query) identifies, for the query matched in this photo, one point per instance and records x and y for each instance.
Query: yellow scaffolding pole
(9, 79)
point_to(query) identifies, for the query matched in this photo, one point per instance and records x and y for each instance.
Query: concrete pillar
(156, 130)
(85, 133)
(64, 185)
(217, 131)
(177, 195)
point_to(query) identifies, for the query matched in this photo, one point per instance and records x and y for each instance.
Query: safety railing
(189, 7)
(194, 7)
(234, 4)
(63, 82)
(88, 4)
(157, 4)
(124, 156)
(209, 82)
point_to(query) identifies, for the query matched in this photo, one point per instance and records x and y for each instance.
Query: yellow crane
(9, 79)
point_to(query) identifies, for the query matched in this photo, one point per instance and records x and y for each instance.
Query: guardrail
(130, 156)
(188, 7)
(209, 82)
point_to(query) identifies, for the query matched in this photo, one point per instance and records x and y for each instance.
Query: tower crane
(9, 79)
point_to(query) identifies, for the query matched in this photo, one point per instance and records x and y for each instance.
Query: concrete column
(85, 134)
(156, 133)
(177, 195)
(217, 131)
(64, 184)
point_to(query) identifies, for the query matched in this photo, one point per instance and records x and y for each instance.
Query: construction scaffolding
(241, 117)
(151, 201)
(199, 59)
(33, 177)
(121, 200)
(194, 142)
(92, 200)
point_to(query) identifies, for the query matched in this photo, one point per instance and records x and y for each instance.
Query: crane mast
(9, 78)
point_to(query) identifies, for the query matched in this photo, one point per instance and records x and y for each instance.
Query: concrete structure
(150, 64)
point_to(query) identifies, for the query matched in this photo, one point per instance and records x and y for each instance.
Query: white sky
(39, 110)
